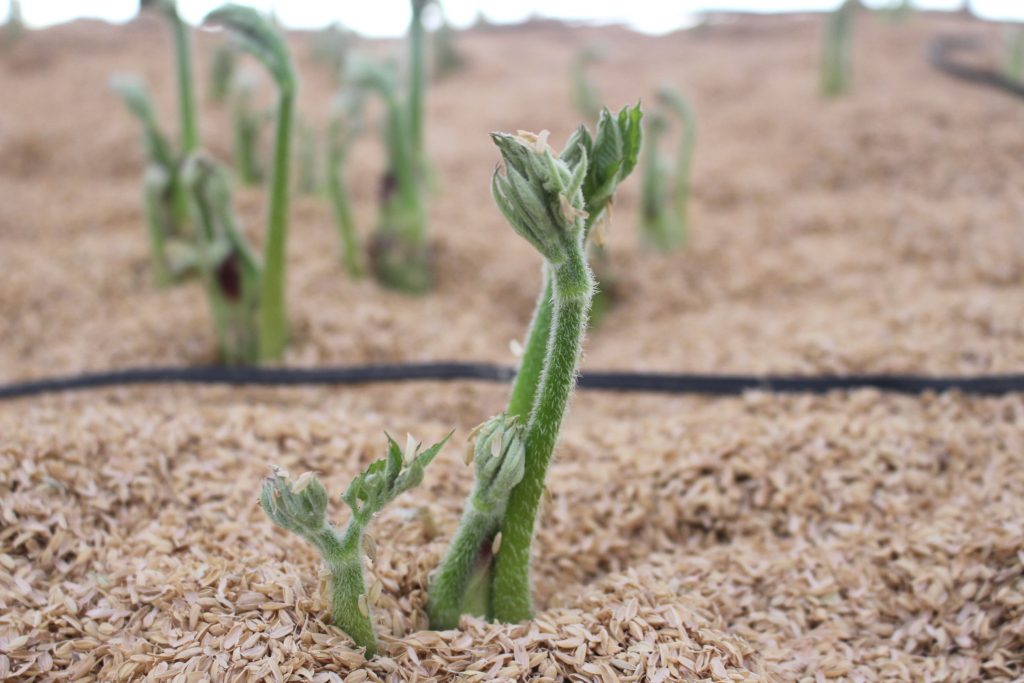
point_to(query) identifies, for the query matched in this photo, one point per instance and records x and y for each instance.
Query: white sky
(389, 17)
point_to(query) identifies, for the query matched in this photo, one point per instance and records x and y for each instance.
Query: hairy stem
(573, 289)
(449, 594)
(532, 364)
(344, 560)
(273, 314)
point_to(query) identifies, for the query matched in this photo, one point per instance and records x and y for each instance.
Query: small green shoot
(222, 73)
(584, 94)
(300, 506)
(161, 184)
(346, 124)
(231, 272)
(837, 50)
(665, 194)
(255, 34)
(399, 252)
(554, 203)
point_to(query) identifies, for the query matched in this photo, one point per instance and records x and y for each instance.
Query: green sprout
(665, 194)
(553, 202)
(247, 126)
(1013, 62)
(231, 271)
(300, 506)
(346, 124)
(584, 94)
(222, 72)
(254, 33)
(166, 200)
(161, 184)
(399, 251)
(837, 50)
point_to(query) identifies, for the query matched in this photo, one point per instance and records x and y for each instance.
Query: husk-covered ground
(857, 536)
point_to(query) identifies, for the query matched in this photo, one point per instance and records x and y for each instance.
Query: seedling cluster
(665, 194)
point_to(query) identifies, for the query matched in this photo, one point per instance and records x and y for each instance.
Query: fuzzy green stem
(273, 313)
(532, 364)
(344, 560)
(450, 596)
(573, 289)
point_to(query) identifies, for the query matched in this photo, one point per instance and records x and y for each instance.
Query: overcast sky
(389, 17)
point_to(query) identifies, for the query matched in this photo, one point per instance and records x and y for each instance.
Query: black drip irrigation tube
(940, 55)
(667, 383)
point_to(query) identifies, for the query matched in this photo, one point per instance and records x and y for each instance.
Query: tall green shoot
(300, 506)
(554, 203)
(254, 33)
(837, 50)
(665, 191)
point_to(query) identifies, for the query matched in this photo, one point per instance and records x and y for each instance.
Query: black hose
(715, 385)
(940, 55)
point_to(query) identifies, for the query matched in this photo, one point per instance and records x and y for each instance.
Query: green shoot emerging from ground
(346, 124)
(222, 73)
(160, 178)
(166, 200)
(399, 251)
(584, 94)
(665, 197)
(553, 202)
(837, 50)
(254, 33)
(301, 507)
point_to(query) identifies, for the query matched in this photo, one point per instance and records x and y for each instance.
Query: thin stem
(573, 291)
(338, 190)
(449, 597)
(417, 78)
(273, 314)
(532, 364)
(186, 94)
(344, 560)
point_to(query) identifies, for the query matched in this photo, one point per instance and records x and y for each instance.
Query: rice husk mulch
(858, 536)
